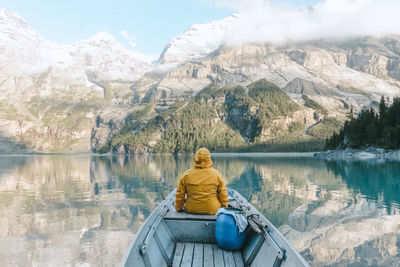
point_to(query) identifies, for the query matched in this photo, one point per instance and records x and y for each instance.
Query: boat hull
(171, 238)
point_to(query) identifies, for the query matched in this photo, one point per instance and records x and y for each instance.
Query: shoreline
(348, 154)
(263, 154)
(351, 154)
(214, 154)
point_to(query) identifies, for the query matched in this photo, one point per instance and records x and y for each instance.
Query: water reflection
(71, 210)
(377, 181)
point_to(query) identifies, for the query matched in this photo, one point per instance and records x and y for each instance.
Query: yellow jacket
(203, 186)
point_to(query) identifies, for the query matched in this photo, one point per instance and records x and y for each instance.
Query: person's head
(202, 159)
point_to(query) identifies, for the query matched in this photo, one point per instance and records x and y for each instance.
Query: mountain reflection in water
(71, 210)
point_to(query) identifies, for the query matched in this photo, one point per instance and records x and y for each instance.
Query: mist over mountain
(82, 96)
(260, 21)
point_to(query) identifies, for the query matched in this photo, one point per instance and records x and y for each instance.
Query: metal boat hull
(170, 238)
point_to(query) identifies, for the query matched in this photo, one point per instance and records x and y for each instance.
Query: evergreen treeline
(370, 129)
(219, 118)
(227, 118)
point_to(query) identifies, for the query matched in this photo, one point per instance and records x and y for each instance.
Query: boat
(171, 238)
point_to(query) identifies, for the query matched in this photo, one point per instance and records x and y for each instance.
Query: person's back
(203, 185)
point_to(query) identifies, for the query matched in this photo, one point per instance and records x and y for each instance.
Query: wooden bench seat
(207, 255)
(172, 214)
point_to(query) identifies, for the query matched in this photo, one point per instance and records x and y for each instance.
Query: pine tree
(382, 108)
(370, 129)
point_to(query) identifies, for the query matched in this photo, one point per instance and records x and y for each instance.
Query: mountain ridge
(196, 42)
(50, 94)
(78, 97)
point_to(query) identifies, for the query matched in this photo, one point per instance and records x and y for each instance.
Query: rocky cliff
(77, 97)
(336, 67)
(332, 75)
(50, 94)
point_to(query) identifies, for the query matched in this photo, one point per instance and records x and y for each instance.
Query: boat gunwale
(273, 230)
(167, 203)
(141, 236)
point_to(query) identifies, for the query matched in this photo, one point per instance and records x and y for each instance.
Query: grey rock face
(355, 71)
(304, 87)
(50, 95)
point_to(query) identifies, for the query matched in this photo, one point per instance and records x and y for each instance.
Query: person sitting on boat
(202, 186)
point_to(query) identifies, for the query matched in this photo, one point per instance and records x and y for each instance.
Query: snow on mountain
(105, 41)
(25, 51)
(51, 93)
(40, 80)
(197, 41)
(103, 55)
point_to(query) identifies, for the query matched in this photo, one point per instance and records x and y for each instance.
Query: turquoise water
(85, 210)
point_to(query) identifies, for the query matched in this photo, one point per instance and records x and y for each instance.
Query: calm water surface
(85, 210)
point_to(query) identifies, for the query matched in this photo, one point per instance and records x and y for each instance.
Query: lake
(84, 210)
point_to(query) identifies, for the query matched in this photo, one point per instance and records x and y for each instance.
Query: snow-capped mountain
(74, 97)
(40, 79)
(356, 71)
(23, 50)
(112, 61)
(26, 52)
(197, 41)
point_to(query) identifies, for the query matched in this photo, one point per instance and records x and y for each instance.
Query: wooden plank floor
(205, 255)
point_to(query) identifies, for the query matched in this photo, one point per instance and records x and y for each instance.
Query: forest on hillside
(227, 118)
(378, 129)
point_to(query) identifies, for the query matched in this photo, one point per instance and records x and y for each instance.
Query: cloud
(130, 39)
(259, 21)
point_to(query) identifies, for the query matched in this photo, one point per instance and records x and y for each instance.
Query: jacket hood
(202, 159)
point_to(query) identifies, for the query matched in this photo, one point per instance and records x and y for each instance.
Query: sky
(330, 20)
(143, 25)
